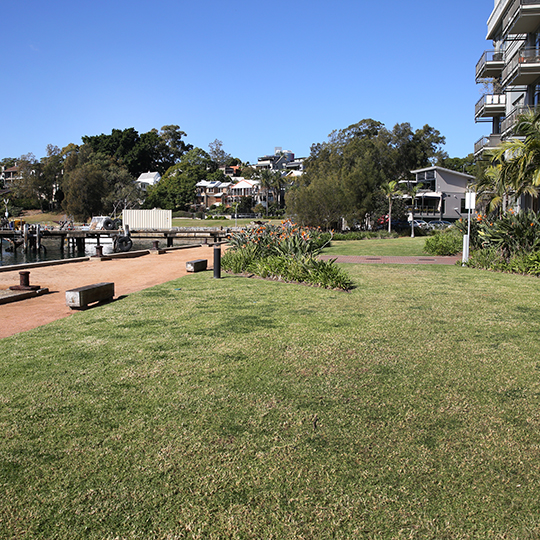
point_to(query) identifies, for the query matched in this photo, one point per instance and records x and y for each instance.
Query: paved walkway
(372, 259)
(127, 274)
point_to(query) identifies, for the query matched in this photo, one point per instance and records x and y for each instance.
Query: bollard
(24, 283)
(155, 244)
(217, 261)
(24, 279)
(99, 251)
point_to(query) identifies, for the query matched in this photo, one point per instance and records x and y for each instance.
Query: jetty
(31, 237)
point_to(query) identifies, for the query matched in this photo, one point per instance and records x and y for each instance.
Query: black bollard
(217, 261)
(155, 244)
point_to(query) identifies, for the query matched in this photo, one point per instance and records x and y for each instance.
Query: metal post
(38, 237)
(25, 236)
(217, 261)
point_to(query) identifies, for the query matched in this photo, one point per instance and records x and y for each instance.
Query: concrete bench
(81, 297)
(198, 265)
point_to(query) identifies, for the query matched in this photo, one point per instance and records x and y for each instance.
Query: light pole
(470, 204)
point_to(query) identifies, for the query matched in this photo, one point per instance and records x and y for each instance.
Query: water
(52, 251)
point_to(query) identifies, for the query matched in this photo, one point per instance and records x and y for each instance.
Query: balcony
(523, 17)
(523, 68)
(514, 17)
(507, 125)
(489, 106)
(486, 143)
(490, 65)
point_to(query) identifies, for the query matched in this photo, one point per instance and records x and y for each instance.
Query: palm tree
(412, 190)
(493, 188)
(391, 191)
(516, 162)
(267, 183)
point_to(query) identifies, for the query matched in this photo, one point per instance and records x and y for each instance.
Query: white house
(148, 179)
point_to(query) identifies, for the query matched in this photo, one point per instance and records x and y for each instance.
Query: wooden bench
(198, 265)
(81, 297)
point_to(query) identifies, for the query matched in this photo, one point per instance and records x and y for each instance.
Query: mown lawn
(186, 222)
(243, 408)
(396, 247)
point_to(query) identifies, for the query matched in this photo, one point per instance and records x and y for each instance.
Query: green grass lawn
(248, 409)
(185, 222)
(396, 247)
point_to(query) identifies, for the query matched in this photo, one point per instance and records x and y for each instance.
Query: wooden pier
(30, 238)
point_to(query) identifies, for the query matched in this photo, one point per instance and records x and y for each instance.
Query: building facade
(509, 71)
(441, 193)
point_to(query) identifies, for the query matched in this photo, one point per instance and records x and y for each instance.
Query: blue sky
(253, 74)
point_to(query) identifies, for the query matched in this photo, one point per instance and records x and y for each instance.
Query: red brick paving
(372, 259)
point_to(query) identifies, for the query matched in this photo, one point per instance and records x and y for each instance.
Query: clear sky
(252, 73)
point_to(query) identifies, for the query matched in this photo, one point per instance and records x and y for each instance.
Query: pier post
(25, 237)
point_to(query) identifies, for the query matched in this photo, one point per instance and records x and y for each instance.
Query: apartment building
(510, 70)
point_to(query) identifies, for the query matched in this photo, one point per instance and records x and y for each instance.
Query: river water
(52, 251)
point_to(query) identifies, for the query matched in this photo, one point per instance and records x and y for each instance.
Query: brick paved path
(372, 259)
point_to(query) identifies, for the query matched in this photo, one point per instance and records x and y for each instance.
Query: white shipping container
(147, 219)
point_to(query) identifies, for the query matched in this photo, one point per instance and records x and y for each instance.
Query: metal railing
(487, 57)
(487, 143)
(514, 8)
(526, 55)
(509, 122)
(490, 99)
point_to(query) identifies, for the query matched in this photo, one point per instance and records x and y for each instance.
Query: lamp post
(470, 204)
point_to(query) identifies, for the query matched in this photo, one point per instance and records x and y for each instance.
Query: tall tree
(84, 191)
(176, 189)
(217, 153)
(391, 191)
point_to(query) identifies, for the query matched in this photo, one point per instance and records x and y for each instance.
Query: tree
(176, 189)
(217, 153)
(52, 167)
(391, 191)
(270, 180)
(151, 151)
(83, 191)
(412, 190)
(346, 172)
(355, 163)
(515, 165)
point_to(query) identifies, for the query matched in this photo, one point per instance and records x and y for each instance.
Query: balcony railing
(495, 18)
(490, 65)
(522, 17)
(490, 105)
(523, 67)
(507, 125)
(486, 143)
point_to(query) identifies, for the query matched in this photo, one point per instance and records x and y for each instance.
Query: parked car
(440, 224)
(420, 223)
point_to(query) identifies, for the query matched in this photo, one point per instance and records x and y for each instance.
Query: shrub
(485, 258)
(305, 269)
(447, 242)
(512, 234)
(526, 263)
(285, 252)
